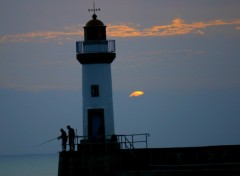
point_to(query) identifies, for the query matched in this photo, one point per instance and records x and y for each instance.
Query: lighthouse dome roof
(94, 22)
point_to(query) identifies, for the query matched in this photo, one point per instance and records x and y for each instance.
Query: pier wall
(187, 161)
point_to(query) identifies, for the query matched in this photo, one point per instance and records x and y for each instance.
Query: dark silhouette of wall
(108, 159)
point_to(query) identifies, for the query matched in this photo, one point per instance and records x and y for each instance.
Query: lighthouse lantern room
(96, 54)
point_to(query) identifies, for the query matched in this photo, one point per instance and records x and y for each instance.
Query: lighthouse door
(96, 128)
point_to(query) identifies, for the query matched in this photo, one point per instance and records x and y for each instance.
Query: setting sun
(136, 93)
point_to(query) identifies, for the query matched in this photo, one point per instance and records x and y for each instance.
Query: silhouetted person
(71, 137)
(64, 139)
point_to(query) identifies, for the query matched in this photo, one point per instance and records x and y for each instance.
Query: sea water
(29, 165)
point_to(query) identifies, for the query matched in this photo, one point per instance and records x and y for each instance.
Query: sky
(184, 55)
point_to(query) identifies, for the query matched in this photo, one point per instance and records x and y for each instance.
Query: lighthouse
(96, 54)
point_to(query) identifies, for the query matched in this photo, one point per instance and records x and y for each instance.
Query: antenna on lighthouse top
(94, 9)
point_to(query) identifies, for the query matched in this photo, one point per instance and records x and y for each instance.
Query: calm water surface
(29, 165)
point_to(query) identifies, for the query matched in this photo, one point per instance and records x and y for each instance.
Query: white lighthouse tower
(96, 54)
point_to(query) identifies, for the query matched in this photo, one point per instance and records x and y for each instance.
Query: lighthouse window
(95, 90)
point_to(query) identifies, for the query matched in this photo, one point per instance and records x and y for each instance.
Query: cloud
(176, 27)
(42, 36)
(40, 87)
(123, 30)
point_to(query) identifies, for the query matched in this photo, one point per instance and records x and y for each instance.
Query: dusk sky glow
(184, 55)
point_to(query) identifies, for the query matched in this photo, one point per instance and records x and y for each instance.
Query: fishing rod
(46, 142)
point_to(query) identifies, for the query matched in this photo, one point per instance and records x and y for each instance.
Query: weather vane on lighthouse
(94, 9)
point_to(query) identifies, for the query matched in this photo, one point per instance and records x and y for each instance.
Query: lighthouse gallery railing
(95, 46)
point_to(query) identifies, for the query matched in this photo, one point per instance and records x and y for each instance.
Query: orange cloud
(43, 36)
(122, 31)
(176, 27)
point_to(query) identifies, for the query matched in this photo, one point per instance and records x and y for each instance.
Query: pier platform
(110, 159)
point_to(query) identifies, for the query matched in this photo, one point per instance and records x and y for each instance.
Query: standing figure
(64, 139)
(71, 137)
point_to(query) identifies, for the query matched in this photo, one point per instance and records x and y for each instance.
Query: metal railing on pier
(95, 46)
(130, 141)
